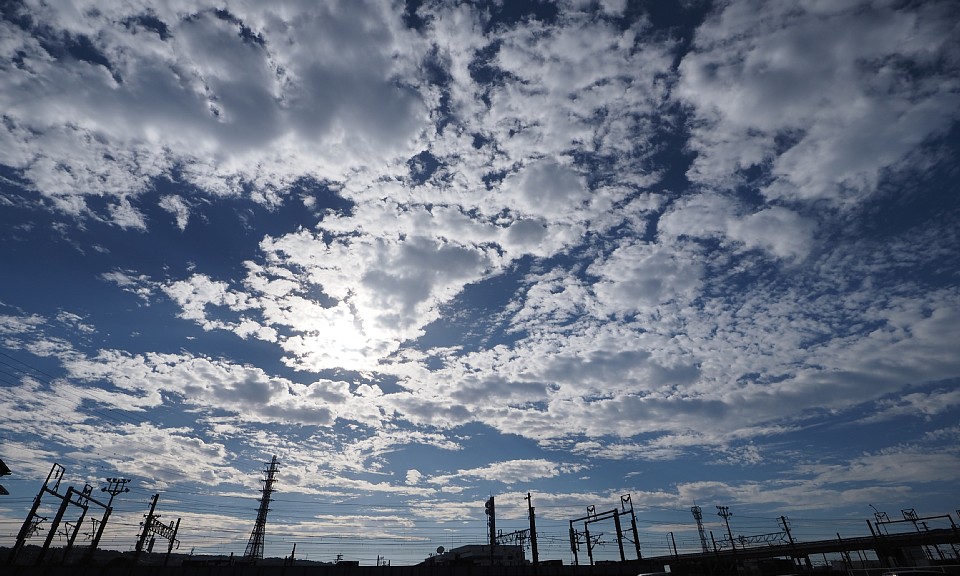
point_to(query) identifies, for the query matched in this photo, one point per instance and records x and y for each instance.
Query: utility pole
(586, 534)
(489, 508)
(147, 524)
(624, 500)
(879, 546)
(785, 522)
(724, 512)
(30, 525)
(254, 550)
(592, 517)
(533, 533)
(910, 514)
(953, 526)
(574, 543)
(114, 486)
(64, 503)
(881, 518)
(616, 525)
(172, 536)
(84, 502)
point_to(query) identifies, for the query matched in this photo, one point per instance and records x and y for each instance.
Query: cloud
(495, 246)
(413, 476)
(211, 385)
(894, 474)
(822, 99)
(546, 190)
(176, 206)
(509, 472)
(222, 98)
(129, 281)
(717, 357)
(63, 413)
(639, 276)
(896, 466)
(780, 232)
(390, 291)
(125, 215)
(194, 294)
(20, 324)
(174, 455)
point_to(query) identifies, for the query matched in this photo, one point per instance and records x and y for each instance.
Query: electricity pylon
(254, 550)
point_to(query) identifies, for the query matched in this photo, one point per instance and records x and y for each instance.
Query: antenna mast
(698, 516)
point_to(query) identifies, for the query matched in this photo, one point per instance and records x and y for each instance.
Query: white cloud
(612, 314)
(696, 356)
(546, 189)
(19, 323)
(778, 230)
(509, 472)
(898, 465)
(413, 476)
(175, 454)
(823, 100)
(919, 404)
(639, 276)
(61, 412)
(126, 216)
(128, 281)
(198, 292)
(385, 291)
(200, 99)
(781, 232)
(211, 385)
(176, 206)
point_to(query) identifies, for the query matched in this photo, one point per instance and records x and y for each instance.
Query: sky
(427, 252)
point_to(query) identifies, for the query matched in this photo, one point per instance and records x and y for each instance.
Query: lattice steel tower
(698, 516)
(254, 550)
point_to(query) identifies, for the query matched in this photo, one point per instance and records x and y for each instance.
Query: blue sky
(429, 252)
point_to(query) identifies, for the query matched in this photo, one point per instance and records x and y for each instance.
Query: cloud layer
(479, 247)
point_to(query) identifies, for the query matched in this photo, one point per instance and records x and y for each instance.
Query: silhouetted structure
(591, 517)
(254, 550)
(153, 528)
(479, 555)
(918, 545)
(698, 516)
(115, 486)
(4, 471)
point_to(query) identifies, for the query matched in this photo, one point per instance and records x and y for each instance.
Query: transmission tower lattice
(698, 516)
(254, 550)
